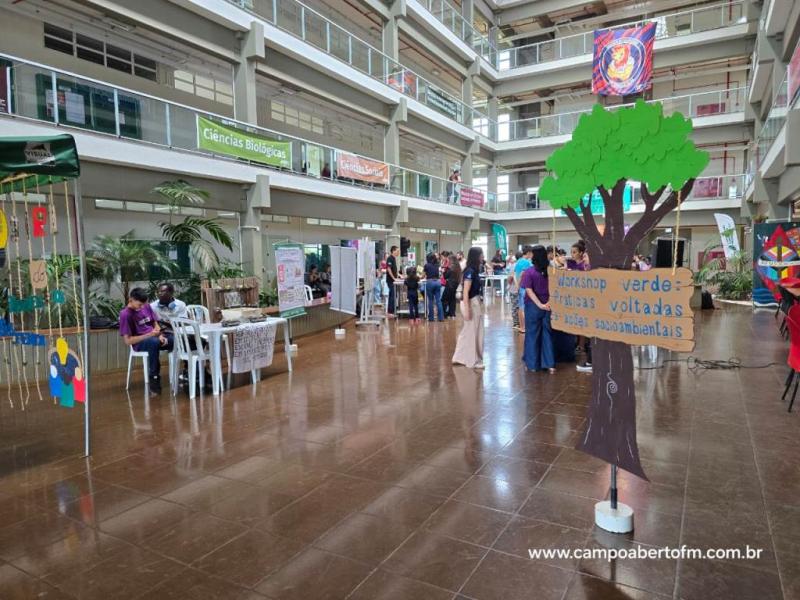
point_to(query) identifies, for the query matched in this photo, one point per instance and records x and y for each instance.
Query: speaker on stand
(664, 251)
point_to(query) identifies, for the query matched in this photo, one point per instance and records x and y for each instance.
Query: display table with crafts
(255, 346)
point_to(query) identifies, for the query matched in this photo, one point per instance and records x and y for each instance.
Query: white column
(244, 74)
(250, 238)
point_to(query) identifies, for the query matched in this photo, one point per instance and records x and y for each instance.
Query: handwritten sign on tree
(607, 150)
(637, 308)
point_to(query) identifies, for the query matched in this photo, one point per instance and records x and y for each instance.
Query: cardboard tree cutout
(608, 149)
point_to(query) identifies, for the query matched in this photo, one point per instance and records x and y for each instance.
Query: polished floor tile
(331, 483)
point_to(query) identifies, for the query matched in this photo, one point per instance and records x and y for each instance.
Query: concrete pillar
(244, 74)
(468, 86)
(391, 141)
(391, 30)
(250, 238)
(473, 225)
(491, 176)
(765, 193)
(466, 165)
(492, 106)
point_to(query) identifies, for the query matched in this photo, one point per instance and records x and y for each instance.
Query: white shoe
(584, 368)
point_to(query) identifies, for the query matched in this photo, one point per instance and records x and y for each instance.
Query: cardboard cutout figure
(66, 375)
(608, 149)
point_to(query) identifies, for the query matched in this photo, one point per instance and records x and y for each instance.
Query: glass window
(59, 39)
(109, 204)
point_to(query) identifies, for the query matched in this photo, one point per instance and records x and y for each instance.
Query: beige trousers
(469, 346)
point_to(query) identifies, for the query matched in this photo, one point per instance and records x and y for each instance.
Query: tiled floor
(379, 471)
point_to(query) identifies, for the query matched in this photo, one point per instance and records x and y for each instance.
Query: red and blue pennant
(623, 60)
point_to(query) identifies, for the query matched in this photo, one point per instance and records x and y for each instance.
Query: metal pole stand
(612, 515)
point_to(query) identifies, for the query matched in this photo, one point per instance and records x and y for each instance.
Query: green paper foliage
(636, 143)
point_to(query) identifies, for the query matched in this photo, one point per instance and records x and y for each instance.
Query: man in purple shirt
(138, 326)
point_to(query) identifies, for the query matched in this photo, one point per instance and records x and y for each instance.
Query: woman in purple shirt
(538, 350)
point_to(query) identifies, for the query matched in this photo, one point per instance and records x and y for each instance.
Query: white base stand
(339, 333)
(293, 348)
(615, 521)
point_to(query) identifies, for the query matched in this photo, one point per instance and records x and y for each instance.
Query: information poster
(640, 308)
(314, 160)
(442, 102)
(290, 261)
(222, 139)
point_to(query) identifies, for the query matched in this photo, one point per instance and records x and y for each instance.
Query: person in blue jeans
(538, 350)
(138, 326)
(433, 287)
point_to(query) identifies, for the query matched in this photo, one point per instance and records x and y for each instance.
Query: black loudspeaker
(664, 249)
(405, 244)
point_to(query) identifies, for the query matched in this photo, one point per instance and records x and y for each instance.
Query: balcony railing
(703, 104)
(714, 187)
(667, 26)
(776, 118)
(87, 104)
(310, 26)
(451, 17)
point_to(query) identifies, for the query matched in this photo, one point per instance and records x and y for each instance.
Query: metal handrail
(386, 60)
(568, 38)
(171, 110)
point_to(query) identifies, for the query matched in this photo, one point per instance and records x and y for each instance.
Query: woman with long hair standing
(469, 346)
(538, 350)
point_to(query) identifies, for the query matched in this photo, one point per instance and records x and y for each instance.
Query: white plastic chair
(196, 359)
(134, 354)
(200, 313)
(309, 295)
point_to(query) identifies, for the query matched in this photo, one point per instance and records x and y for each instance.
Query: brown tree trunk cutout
(610, 431)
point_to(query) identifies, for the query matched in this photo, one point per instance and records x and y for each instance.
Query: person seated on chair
(167, 307)
(314, 281)
(498, 263)
(325, 281)
(138, 326)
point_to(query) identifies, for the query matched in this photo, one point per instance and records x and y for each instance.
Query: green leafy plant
(607, 150)
(118, 261)
(201, 233)
(731, 278)
(269, 295)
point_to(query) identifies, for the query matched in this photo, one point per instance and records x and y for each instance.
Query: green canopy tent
(44, 336)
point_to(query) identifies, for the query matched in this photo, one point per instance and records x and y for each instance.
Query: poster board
(775, 256)
(639, 308)
(290, 262)
(344, 280)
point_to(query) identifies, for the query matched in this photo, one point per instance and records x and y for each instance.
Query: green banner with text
(221, 139)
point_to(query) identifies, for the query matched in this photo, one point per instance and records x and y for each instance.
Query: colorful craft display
(66, 375)
(39, 218)
(36, 300)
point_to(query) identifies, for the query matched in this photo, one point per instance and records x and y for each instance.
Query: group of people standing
(439, 277)
(530, 293)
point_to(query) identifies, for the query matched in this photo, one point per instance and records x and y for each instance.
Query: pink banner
(3, 89)
(471, 197)
(794, 73)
